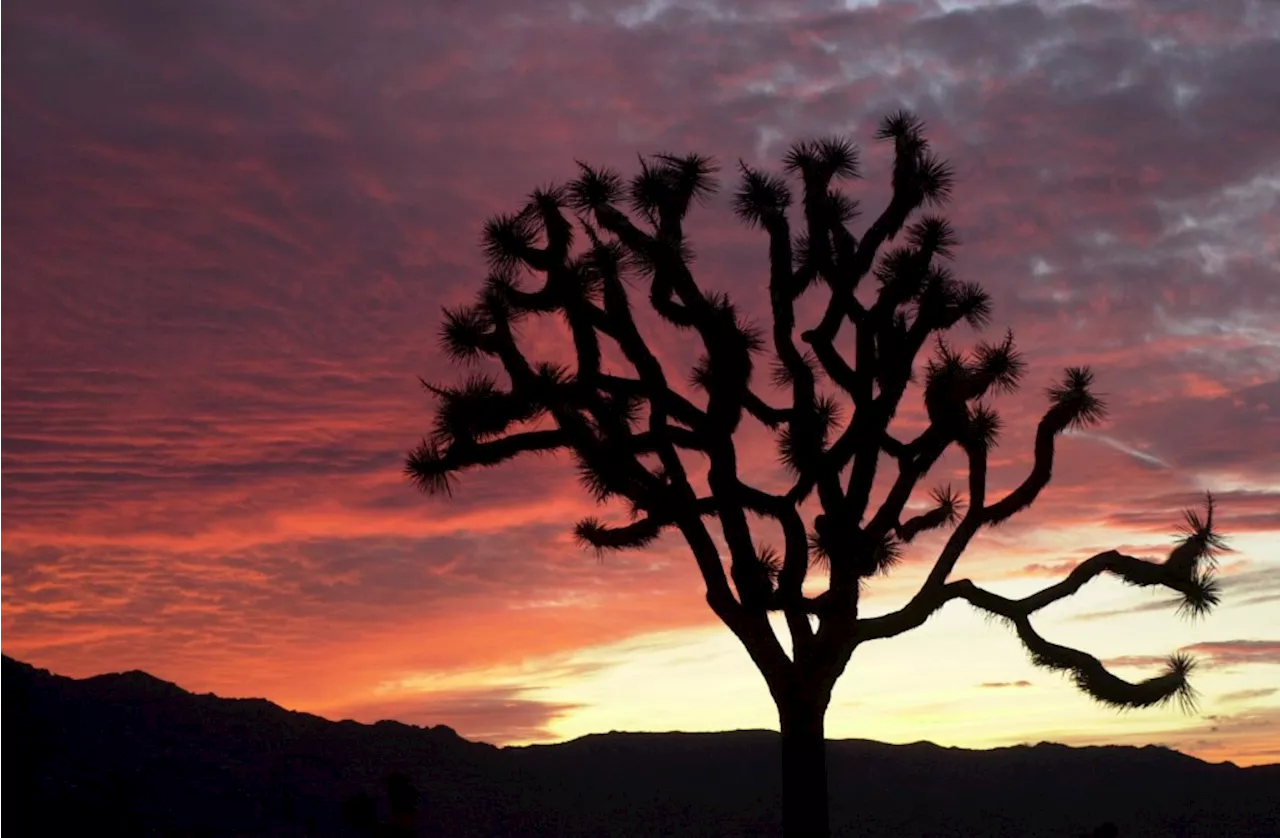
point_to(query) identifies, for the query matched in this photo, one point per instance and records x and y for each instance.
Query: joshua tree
(641, 438)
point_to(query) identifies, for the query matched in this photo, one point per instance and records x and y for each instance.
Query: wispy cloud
(1217, 653)
(1248, 695)
(1142, 457)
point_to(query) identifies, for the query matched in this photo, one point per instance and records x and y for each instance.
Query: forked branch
(1188, 571)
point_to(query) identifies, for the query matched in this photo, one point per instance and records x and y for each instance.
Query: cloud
(498, 715)
(1049, 568)
(1264, 581)
(1232, 652)
(1168, 605)
(229, 231)
(1238, 511)
(1213, 654)
(1248, 695)
(1141, 457)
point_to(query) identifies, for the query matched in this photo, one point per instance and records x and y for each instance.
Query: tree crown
(669, 454)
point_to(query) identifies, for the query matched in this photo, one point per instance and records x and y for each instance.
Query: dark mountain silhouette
(130, 754)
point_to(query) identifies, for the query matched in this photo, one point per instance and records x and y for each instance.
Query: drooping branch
(1187, 571)
(1087, 672)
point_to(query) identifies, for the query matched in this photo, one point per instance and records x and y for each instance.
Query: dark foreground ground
(132, 755)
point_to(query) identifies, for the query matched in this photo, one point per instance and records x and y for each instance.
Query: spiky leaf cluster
(667, 185)
(956, 385)
(429, 470)
(1075, 404)
(1200, 542)
(592, 533)
(507, 239)
(919, 174)
(819, 161)
(1091, 677)
(464, 333)
(934, 236)
(762, 199)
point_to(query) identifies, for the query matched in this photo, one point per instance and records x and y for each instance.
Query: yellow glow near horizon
(959, 680)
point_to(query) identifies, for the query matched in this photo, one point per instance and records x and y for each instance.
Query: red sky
(228, 230)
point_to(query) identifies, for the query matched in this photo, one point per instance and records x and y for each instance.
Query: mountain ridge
(140, 755)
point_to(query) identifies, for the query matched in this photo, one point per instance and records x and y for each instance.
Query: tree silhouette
(668, 452)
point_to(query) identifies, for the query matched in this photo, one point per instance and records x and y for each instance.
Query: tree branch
(945, 511)
(591, 532)
(1041, 470)
(1073, 405)
(431, 468)
(1088, 673)
(1200, 593)
(909, 473)
(766, 414)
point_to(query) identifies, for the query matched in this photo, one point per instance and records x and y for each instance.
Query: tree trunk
(804, 769)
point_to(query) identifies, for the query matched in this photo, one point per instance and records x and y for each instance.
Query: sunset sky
(229, 228)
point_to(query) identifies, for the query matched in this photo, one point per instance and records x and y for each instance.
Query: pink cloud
(1217, 653)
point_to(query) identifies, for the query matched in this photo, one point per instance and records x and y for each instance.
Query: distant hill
(130, 754)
